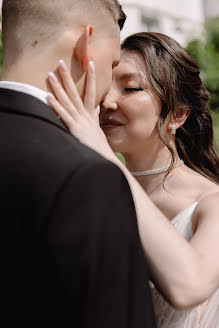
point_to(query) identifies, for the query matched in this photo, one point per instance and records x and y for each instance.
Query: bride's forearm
(174, 264)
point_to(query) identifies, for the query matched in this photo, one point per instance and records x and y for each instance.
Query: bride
(156, 115)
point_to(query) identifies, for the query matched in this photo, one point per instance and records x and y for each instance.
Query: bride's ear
(82, 47)
(178, 119)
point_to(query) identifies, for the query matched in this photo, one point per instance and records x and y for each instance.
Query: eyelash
(133, 89)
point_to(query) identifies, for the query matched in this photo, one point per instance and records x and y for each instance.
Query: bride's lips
(107, 124)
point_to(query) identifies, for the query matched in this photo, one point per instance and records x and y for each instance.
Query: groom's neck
(33, 74)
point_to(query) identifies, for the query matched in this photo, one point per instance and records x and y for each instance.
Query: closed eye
(132, 89)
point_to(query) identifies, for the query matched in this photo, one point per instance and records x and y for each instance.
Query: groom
(69, 244)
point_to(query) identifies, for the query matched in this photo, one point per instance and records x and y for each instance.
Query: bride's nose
(110, 102)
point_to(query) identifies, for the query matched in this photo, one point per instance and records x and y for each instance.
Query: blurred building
(182, 20)
(211, 8)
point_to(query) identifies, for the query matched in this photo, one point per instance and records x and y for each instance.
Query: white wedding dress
(202, 316)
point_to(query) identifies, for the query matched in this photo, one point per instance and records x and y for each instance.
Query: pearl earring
(173, 129)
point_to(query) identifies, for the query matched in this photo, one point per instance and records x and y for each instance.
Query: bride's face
(130, 110)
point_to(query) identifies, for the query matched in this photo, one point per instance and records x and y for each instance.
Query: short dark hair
(19, 7)
(45, 19)
(117, 12)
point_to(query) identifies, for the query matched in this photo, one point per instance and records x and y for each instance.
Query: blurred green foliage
(206, 53)
(215, 116)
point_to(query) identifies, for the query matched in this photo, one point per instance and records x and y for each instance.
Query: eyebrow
(128, 76)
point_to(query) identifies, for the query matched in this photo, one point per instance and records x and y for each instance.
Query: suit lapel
(23, 104)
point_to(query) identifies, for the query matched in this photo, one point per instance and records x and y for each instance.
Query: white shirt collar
(25, 88)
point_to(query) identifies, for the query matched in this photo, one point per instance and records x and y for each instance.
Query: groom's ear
(82, 47)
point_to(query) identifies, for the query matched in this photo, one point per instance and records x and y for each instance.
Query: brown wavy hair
(175, 79)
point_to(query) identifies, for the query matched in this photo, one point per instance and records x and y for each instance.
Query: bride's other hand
(82, 119)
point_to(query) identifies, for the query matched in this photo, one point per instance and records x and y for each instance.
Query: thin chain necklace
(155, 171)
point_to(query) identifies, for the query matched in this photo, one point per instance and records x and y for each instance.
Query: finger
(98, 110)
(90, 90)
(60, 93)
(70, 86)
(97, 114)
(60, 111)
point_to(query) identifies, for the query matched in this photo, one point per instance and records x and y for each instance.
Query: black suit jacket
(69, 245)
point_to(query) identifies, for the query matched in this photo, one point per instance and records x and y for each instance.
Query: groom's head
(37, 34)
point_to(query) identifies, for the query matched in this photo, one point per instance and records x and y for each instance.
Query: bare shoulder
(207, 187)
(209, 201)
(207, 208)
(196, 185)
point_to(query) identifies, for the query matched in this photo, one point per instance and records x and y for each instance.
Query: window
(151, 23)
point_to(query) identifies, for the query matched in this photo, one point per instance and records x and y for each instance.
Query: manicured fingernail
(53, 77)
(91, 66)
(63, 65)
(98, 109)
(50, 96)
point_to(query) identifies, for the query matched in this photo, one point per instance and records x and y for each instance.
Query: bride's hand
(82, 119)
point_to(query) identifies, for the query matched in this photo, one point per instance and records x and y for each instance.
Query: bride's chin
(116, 148)
(113, 147)
(116, 144)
